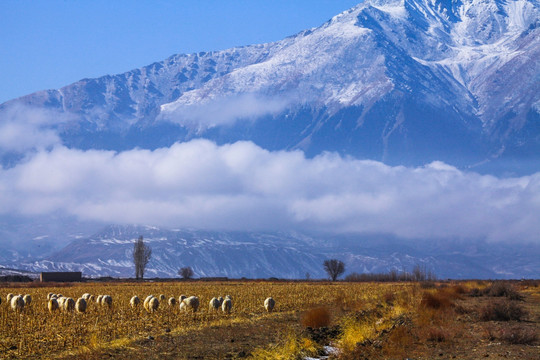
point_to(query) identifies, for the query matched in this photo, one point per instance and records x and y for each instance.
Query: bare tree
(141, 256)
(186, 272)
(334, 268)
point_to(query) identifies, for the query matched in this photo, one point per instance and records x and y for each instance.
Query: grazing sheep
(86, 296)
(190, 303)
(9, 297)
(49, 296)
(214, 304)
(17, 303)
(80, 305)
(27, 299)
(52, 305)
(98, 299)
(181, 298)
(162, 297)
(145, 303)
(153, 304)
(269, 304)
(226, 307)
(220, 299)
(69, 304)
(61, 301)
(135, 301)
(172, 301)
(106, 300)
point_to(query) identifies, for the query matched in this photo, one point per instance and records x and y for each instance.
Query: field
(467, 320)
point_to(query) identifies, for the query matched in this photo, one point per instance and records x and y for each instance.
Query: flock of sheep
(150, 304)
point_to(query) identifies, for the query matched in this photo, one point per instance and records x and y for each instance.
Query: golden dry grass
(367, 320)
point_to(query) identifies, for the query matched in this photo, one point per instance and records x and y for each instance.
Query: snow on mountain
(282, 255)
(403, 81)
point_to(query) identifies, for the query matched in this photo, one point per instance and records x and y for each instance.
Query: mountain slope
(283, 255)
(403, 81)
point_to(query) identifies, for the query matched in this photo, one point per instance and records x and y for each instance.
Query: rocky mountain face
(281, 255)
(402, 81)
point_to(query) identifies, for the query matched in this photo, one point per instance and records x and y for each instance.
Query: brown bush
(438, 301)
(502, 289)
(502, 310)
(316, 318)
(519, 335)
(389, 297)
(436, 334)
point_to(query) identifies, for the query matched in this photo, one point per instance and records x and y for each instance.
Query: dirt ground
(464, 336)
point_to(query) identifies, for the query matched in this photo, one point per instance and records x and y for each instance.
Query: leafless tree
(186, 272)
(334, 268)
(141, 256)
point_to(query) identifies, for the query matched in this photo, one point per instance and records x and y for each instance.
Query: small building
(61, 276)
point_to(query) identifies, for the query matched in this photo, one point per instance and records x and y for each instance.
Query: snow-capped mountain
(282, 255)
(403, 81)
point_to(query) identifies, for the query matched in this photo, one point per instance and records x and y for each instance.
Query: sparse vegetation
(361, 320)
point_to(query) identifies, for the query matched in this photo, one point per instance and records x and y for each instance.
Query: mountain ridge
(405, 82)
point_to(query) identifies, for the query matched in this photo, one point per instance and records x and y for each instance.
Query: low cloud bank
(244, 187)
(24, 128)
(222, 111)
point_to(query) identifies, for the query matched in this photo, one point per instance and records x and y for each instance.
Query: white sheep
(190, 303)
(86, 296)
(226, 307)
(61, 301)
(17, 303)
(49, 296)
(80, 305)
(9, 297)
(172, 301)
(214, 304)
(27, 299)
(269, 304)
(135, 301)
(220, 299)
(98, 299)
(153, 304)
(106, 300)
(181, 298)
(52, 305)
(145, 303)
(68, 304)
(162, 297)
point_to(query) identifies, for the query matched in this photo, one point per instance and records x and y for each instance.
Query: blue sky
(49, 44)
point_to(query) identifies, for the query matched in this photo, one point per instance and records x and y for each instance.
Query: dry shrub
(436, 334)
(428, 285)
(389, 297)
(459, 289)
(519, 335)
(502, 310)
(502, 289)
(316, 318)
(399, 343)
(437, 301)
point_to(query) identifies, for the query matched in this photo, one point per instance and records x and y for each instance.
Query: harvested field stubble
(363, 320)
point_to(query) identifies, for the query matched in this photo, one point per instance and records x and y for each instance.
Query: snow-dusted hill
(403, 81)
(282, 255)
(450, 83)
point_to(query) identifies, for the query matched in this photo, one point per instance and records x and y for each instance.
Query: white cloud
(222, 111)
(244, 187)
(24, 128)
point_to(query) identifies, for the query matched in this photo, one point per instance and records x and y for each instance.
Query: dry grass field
(464, 320)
